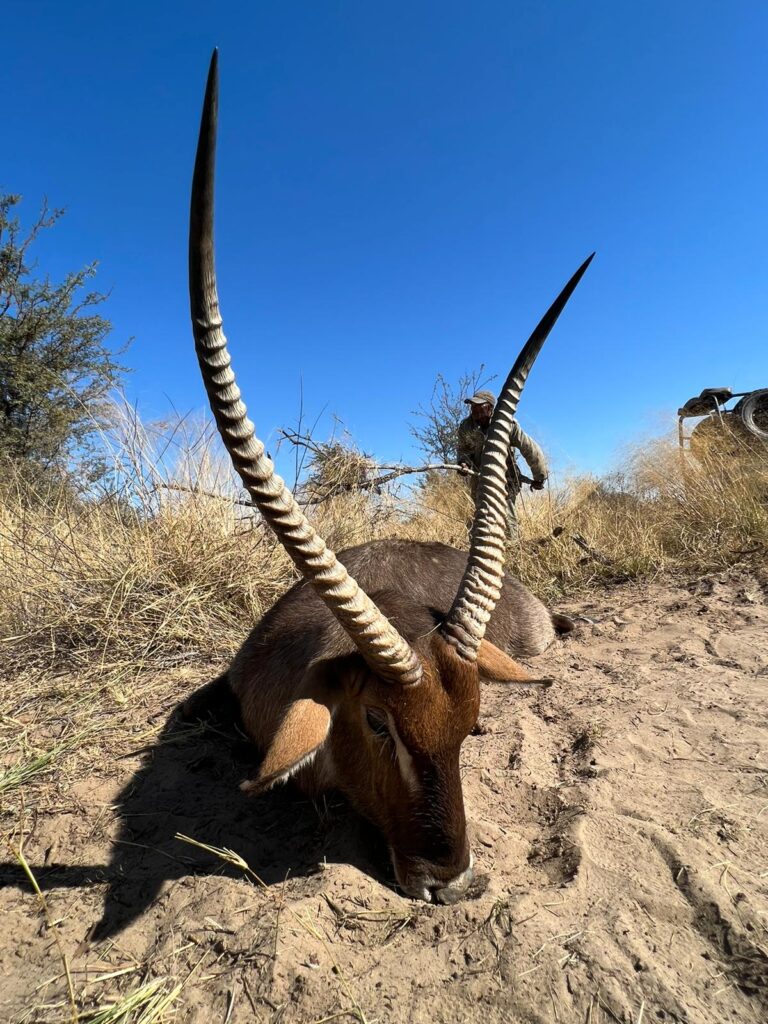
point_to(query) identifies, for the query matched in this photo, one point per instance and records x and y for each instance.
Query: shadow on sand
(188, 784)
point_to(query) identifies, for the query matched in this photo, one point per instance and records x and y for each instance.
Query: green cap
(481, 398)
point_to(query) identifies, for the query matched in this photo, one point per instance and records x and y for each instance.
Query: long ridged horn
(480, 587)
(385, 651)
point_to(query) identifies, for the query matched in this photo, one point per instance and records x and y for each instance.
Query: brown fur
(304, 728)
(305, 696)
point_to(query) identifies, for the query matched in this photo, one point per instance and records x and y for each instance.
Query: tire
(753, 412)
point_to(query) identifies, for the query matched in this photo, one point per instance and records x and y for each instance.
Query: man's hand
(537, 485)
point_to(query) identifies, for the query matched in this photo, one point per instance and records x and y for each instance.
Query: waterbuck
(365, 676)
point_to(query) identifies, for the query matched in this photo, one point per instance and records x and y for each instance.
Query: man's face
(481, 413)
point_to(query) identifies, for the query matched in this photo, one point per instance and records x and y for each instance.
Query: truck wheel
(753, 411)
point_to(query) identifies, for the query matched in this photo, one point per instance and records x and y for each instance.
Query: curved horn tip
(586, 262)
(584, 265)
(213, 69)
(212, 80)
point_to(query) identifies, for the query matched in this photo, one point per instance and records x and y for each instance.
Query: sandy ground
(619, 820)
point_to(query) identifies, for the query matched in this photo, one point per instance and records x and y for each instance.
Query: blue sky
(402, 190)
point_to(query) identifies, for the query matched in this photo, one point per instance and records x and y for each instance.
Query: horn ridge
(380, 644)
(480, 587)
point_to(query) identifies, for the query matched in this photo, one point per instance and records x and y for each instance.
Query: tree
(436, 431)
(55, 369)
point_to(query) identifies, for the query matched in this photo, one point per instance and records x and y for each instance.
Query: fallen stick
(560, 531)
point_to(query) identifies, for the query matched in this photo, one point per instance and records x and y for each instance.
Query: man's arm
(531, 452)
(464, 446)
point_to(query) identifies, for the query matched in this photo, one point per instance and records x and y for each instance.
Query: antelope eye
(377, 722)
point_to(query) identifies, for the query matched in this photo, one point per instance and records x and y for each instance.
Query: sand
(618, 821)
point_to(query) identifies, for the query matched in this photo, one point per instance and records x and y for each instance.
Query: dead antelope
(365, 676)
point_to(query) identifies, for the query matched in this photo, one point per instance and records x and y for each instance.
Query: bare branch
(372, 476)
(207, 494)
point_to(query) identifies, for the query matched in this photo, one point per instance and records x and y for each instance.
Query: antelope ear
(303, 730)
(496, 666)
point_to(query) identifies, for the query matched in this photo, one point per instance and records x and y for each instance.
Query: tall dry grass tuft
(663, 511)
(169, 564)
(145, 571)
(440, 509)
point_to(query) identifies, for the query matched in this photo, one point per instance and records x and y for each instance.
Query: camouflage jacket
(471, 438)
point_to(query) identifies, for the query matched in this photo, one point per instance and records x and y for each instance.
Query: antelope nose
(452, 891)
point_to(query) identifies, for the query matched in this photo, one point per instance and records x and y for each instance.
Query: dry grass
(165, 566)
(657, 515)
(144, 1005)
(142, 573)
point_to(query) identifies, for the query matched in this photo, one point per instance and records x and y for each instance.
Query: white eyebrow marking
(404, 759)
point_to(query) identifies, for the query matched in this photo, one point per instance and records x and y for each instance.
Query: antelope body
(366, 675)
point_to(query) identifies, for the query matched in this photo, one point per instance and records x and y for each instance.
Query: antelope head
(384, 714)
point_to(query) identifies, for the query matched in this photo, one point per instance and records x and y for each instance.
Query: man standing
(472, 433)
